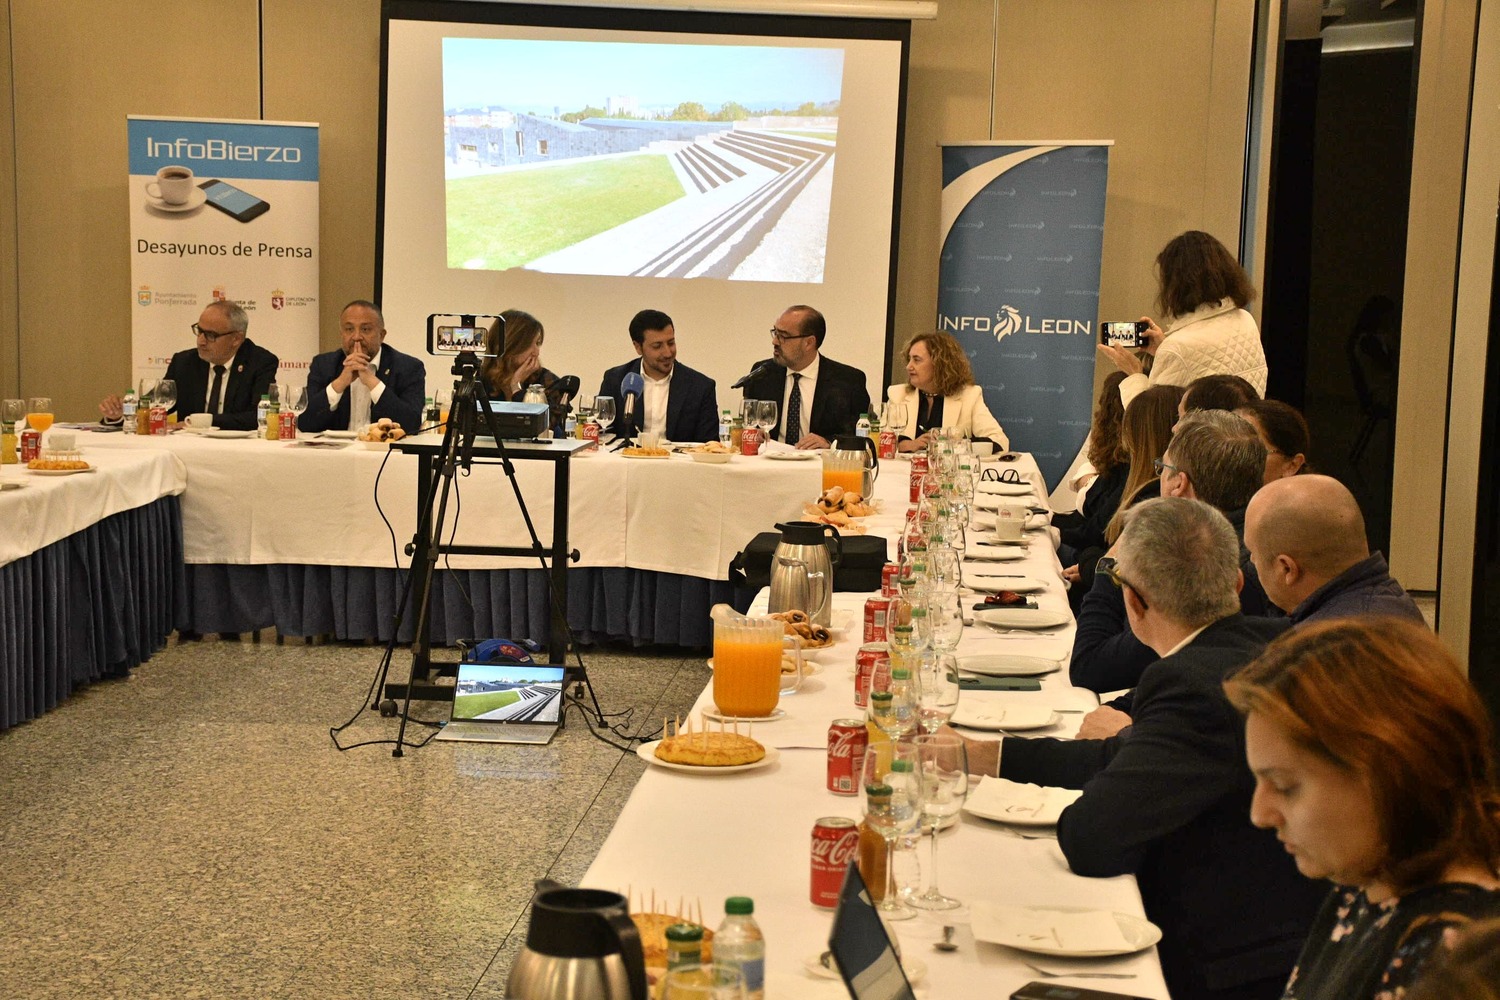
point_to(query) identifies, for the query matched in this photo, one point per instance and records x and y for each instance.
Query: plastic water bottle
(862, 428)
(261, 409)
(724, 424)
(739, 944)
(127, 410)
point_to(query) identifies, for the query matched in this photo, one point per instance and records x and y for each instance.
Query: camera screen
(457, 334)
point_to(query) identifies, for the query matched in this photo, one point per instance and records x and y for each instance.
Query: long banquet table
(704, 837)
(91, 575)
(290, 534)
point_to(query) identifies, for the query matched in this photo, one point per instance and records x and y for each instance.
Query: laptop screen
(508, 692)
(862, 948)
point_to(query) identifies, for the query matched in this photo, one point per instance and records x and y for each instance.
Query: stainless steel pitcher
(581, 945)
(802, 569)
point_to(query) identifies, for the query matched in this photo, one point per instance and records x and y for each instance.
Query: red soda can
(31, 445)
(918, 473)
(835, 842)
(847, 740)
(158, 420)
(890, 575)
(591, 435)
(887, 442)
(750, 441)
(872, 656)
(287, 428)
(875, 609)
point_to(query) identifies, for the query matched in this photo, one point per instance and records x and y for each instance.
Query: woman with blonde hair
(514, 363)
(1373, 761)
(940, 395)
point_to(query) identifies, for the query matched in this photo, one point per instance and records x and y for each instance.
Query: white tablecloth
(704, 837)
(48, 509)
(254, 502)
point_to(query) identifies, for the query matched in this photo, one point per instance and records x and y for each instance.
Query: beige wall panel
(10, 347)
(322, 64)
(1445, 72)
(79, 69)
(947, 99)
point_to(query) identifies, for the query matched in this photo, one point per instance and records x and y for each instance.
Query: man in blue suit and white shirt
(364, 380)
(678, 403)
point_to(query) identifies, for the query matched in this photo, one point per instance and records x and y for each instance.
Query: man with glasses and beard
(818, 398)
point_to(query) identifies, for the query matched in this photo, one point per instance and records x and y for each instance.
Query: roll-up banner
(223, 210)
(1022, 237)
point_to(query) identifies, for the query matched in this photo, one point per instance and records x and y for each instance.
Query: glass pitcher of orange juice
(747, 664)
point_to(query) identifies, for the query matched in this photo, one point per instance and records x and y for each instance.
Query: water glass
(943, 770)
(604, 412)
(891, 792)
(165, 394)
(937, 690)
(703, 982)
(945, 618)
(766, 411)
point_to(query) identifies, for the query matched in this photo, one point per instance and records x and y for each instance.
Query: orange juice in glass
(747, 666)
(39, 414)
(852, 480)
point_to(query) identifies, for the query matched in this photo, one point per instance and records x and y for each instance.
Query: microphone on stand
(632, 387)
(753, 372)
(567, 390)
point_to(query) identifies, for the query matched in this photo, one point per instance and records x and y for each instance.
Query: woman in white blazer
(940, 394)
(1203, 291)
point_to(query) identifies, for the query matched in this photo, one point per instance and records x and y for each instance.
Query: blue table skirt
(93, 605)
(361, 603)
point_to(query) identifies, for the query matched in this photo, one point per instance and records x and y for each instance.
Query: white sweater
(1217, 338)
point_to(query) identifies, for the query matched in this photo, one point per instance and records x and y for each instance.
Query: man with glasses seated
(819, 398)
(364, 380)
(224, 375)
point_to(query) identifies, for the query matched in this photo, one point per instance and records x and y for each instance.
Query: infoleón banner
(1022, 236)
(223, 210)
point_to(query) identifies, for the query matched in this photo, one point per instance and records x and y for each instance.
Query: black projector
(515, 421)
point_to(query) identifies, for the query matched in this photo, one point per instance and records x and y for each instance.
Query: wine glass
(165, 395)
(750, 412)
(703, 982)
(895, 416)
(944, 561)
(604, 412)
(944, 618)
(294, 399)
(937, 689)
(892, 794)
(943, 769)
(39, 414)
(766, 411)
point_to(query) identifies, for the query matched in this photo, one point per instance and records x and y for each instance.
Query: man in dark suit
(225, 375)
(822, 399)
(1169, 799)
(364, 380)
(679, 403)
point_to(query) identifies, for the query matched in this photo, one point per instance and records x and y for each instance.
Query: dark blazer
(405, 379)
(1170, 802)
(840, 397)
(250, 376)
(692, 403)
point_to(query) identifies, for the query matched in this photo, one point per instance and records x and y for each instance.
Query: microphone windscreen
(632, 382)
(567, 387)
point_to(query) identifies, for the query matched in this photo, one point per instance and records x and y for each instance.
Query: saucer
(196, 198)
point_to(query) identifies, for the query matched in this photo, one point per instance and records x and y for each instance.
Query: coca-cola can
(591, 434)
(875, 609)
(835, 843)
(918, 473)
(750, 441)
(847, 740)
(887, 442)
(31, 445)
(871, 658)
(158, 423)
(890, 580)
(287, 431)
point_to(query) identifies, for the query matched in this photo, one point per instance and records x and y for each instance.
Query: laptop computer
(505, 703)
(861, 947)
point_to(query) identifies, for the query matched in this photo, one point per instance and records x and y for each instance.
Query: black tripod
(469, 401)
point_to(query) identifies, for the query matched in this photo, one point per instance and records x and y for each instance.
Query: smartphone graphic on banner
(230, 200)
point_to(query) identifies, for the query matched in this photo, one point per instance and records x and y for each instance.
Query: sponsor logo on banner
(219, 293)
(143, 295)
(278, 299)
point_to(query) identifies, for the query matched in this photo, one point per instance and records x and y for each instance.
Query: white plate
(1010, 718)
(809, 668)
(229, 434)
(1019, 804)
(914, 967)
(995, 553)
(1004, 489)
(1039, 618)
(995, 584)
(59, 472)
(711, 457)
(791, 456)
(654, 458)
(1008, 926)
(1007, 665)
(343, 435)
(196, 197)
(647, 753)
(990, 501)
(744, 720)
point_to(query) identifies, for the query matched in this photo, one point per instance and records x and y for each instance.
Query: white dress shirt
(355, 420)
(654, 420)
(809, 383)
(223, 389)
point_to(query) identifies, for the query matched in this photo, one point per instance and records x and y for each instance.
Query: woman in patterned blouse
(1372, 760)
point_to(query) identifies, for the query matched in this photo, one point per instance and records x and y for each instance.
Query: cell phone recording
(1123, 334)
(456, 333)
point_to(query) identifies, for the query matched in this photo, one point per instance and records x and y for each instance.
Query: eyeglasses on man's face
(1158, 465)
(1110, 567)
(781, 336)
(210, 335)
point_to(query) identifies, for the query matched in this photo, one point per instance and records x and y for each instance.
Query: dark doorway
(1484, 613)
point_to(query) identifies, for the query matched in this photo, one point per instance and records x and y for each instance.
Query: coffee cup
(200, 421)
(173, 185)
(982, 448)
(1010, 521)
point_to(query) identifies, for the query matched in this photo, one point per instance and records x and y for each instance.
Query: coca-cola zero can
(870, 658)
(847, 740)
(835, 842)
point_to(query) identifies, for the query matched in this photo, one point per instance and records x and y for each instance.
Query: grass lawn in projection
(470, 706)
(508, 219)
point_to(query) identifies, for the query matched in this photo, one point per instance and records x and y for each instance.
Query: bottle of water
(261, 409)
(739, 944)
(724, 425)
(862, 428)
(127, 410)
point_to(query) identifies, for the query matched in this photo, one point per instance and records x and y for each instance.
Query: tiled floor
(192, 832)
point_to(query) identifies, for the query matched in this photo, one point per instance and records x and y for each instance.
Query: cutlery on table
(1050, 974)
